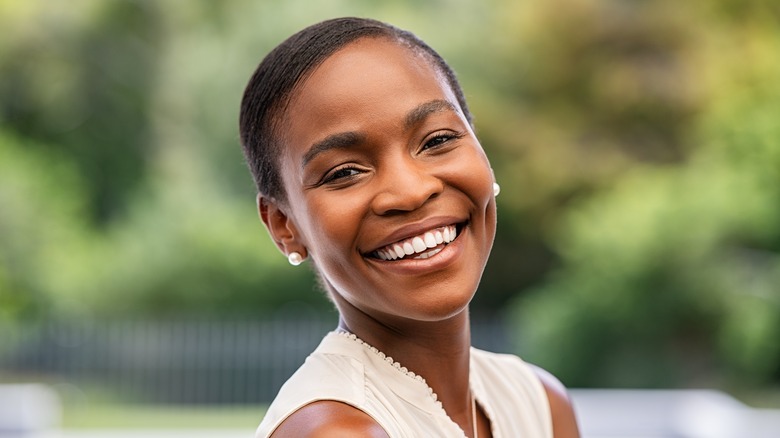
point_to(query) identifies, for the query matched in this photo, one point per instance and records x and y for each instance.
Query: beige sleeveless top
(343, 368)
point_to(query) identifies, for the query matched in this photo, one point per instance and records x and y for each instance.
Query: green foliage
(39, 224)
(580, 92)
(191, 253)
(83, 87)
(670, 276)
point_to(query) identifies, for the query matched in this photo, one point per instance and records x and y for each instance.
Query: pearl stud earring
(496, 189)
(295, 258)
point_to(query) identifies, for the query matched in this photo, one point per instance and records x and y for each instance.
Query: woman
(361, 146)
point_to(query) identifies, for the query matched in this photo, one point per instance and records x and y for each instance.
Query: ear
(279, 226)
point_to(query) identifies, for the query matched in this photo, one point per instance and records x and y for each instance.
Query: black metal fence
(181, 361)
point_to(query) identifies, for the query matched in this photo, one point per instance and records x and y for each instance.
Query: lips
(422, 246)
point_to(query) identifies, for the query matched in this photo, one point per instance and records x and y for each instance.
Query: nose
(405, 186)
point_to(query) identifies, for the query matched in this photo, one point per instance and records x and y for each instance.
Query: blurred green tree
(671, 275)
(40, 208)
(80, 81)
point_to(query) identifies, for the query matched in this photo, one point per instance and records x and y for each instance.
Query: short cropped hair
(270, 88)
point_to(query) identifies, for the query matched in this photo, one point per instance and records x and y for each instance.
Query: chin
(440, 308)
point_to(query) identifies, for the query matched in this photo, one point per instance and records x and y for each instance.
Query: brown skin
(330, 419)
(395, 157)
(564, 420)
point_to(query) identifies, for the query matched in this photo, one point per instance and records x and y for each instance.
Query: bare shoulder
(564, 420)
(326, 419)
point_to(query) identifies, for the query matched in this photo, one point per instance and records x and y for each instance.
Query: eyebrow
(420, 113)
(342, 140)
(349, 139)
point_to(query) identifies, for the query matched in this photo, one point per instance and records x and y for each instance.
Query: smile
(422, 246)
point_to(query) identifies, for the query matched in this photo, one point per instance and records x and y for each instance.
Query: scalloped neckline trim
(402, 369)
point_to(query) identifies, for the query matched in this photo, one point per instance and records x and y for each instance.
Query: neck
(439, 351)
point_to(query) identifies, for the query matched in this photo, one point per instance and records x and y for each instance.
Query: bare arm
(564, 420)
(329, 419)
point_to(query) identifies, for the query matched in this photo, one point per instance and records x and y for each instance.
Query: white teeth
(425, 255)
(419, 244)
(430, 241)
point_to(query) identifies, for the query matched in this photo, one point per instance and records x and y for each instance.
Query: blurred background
(637, 144)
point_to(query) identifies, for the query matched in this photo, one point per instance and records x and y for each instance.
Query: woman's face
(378, 158)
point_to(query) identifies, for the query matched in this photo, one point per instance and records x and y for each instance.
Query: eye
(341, 174)
(440, 139)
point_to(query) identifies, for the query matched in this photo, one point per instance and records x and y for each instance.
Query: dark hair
(269, 90)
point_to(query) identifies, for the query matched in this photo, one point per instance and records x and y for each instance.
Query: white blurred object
(669, 413)
(27, 410)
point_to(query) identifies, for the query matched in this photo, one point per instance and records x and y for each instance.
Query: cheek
(325, 221)
(472, 175)
(334, 223)
(476, 181)
(331, 234)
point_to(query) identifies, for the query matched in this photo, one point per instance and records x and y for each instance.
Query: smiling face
(379, 162)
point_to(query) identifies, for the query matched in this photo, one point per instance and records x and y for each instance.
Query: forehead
(369, 57)
(368, 77)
